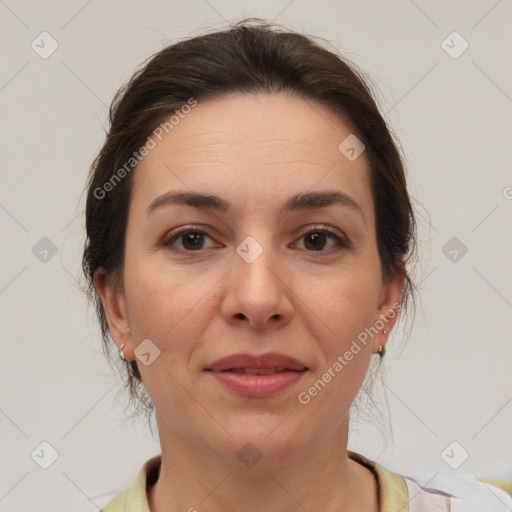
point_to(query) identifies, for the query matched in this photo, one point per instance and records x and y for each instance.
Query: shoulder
(134, 499)
(456, 494)
(118, 504)
(440, 494)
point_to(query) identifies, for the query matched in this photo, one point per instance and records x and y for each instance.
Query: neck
(321, 477)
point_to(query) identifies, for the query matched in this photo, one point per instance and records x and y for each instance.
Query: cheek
(345, 304)
(170, 308)
(345, 313)
(343, 308)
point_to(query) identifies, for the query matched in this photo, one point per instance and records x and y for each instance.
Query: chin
(265, 441)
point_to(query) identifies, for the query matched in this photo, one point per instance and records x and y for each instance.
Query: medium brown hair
(252, 56)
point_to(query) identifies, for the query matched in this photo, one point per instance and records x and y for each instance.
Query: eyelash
(342, 243)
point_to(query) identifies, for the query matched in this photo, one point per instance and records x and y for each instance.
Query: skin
(254, 151)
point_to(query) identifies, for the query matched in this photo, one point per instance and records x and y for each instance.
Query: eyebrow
(302, 201)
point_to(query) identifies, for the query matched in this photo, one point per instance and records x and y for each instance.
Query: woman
(249, 229)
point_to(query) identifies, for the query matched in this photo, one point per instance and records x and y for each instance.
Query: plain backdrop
(449, 105)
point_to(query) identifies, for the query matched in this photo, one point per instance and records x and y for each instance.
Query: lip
(257, 386)
(263, 361)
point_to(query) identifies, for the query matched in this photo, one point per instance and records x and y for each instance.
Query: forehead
(261, 145)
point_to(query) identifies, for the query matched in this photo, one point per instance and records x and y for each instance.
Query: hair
(251, 56)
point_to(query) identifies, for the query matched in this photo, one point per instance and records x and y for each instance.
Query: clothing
(397, 493)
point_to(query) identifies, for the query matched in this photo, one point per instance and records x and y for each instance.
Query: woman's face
(258, 273)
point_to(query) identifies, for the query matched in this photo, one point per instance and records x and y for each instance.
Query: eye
(317, 238)
(191, 239)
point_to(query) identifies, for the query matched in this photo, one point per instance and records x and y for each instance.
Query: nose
(258, 292)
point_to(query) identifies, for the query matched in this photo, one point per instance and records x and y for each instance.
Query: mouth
(260, 371)
(257, 376)
(249, 363)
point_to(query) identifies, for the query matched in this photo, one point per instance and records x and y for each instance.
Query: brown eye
(320, 240)
(192, 240)
(316, 240)
(189, 240)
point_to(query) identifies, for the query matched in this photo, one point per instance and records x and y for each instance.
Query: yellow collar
(392, 488)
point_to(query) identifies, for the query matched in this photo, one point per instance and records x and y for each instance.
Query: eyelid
(175, 234)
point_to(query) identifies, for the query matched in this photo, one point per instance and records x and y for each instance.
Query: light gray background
(452, 382)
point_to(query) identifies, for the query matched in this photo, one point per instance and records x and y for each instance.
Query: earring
(121, 353)
(384, 331)
(382, 351)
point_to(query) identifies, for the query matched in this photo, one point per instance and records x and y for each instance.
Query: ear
(387, 312)
(112, 298)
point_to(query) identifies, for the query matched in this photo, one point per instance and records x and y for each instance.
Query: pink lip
(257, 386)
(270, 360)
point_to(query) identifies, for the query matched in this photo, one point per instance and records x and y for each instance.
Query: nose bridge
(257, 291)
(254, 265)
